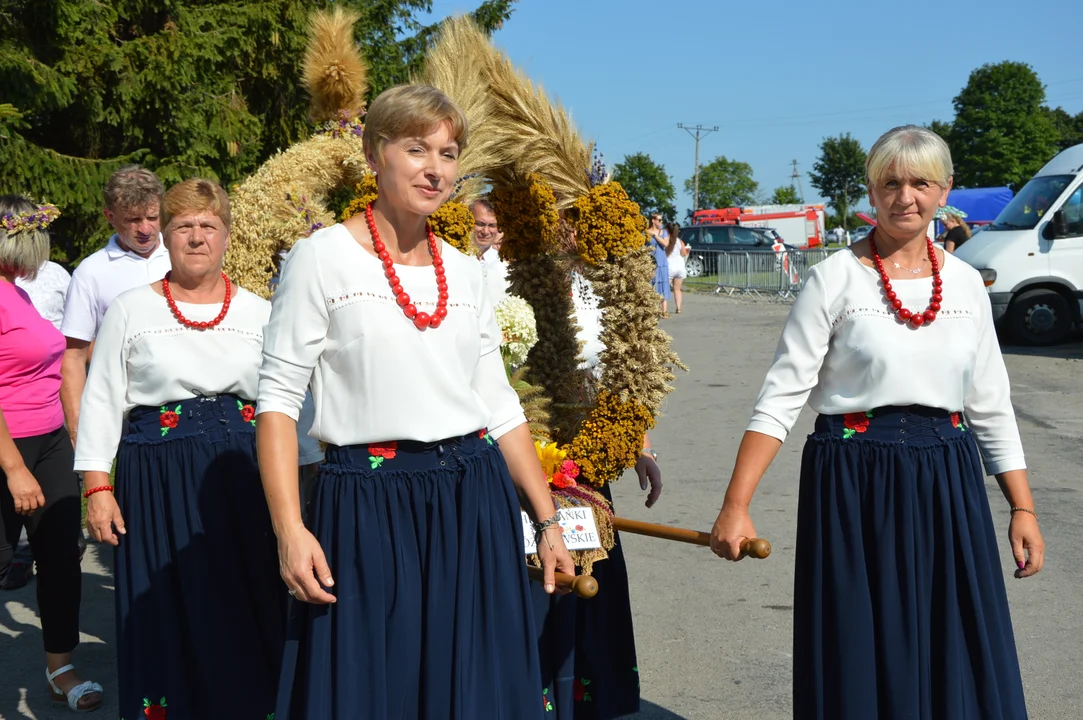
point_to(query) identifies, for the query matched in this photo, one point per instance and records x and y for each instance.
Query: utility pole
(797, 177)
(700, 132)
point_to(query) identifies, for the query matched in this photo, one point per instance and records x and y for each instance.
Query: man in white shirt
(48, 291)
(487, 238)
(134, 256)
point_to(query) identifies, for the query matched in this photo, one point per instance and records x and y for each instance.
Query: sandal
(76, 694)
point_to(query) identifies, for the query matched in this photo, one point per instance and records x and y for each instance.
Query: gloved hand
(649, 472)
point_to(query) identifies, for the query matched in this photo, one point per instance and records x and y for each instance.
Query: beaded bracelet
(1014, 510)
(100, 488)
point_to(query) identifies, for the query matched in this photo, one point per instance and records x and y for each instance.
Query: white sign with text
(577, 523)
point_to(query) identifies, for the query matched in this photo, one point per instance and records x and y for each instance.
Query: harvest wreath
(559, 212)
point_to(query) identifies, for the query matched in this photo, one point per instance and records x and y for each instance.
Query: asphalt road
(714, 638)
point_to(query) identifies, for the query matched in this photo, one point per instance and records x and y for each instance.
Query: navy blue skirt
(587, 647)
(200, 605)
(900, 609)
(433, 616)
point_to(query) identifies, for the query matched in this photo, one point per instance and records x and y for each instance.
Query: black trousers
(53, 531)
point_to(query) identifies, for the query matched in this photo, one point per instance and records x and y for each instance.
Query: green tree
(1001, 134)
(839, 174)
(1069, 128)
(187, 87)
(724, 183)
(784, 195)
(647, 183)
(941, 128)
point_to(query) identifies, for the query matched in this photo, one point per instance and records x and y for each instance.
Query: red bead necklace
(915, 318)
(421, 320)
(189, 323)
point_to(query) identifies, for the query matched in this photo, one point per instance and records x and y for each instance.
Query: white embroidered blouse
(843, 351)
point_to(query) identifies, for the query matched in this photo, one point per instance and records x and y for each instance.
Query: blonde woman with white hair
(899, 596)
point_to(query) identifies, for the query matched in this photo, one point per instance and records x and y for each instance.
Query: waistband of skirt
(406, 454)
(194, 416)
(894, 423)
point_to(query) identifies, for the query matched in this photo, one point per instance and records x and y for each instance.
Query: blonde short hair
(410, 111)
(910, 151)
(195, 196)
(22, 252)
(133, 187)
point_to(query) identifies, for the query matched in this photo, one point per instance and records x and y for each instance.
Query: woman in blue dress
(659, 243)
(900, 609)
(409, 572)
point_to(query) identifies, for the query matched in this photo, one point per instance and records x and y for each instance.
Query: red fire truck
(798, 225)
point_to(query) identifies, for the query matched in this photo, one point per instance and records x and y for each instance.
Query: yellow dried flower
(528, 217)
(611, 438)
(454, 222)
(365, 192)
(607, 223)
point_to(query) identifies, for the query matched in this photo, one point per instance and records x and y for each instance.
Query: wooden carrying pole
(582, 585)
(752, 547)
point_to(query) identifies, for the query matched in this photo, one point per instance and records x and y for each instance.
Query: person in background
(957, 231)
(40, 490)
(200, 610)
(134, 256)
(658, 239)
(487, 239)
(677, 252)
(47, 291)
(900, 608)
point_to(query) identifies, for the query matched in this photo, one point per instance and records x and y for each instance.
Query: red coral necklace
(421, 320)
(180, 316)
(916, 318)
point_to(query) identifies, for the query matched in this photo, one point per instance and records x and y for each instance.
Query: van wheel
(1040, 317)
(694, 266)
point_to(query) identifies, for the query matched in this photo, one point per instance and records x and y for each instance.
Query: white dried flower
(518, 328)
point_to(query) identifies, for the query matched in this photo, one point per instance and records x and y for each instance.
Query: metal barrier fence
(754, 273)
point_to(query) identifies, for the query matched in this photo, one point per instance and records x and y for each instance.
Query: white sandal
(74, 695)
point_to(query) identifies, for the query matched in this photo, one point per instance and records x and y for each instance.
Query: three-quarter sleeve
(988, 403)
(798, 358)
(490, 379)
(105, 396)
(295, 334)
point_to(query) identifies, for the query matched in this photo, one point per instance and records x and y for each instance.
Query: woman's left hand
(1028, 547)
(554, 557)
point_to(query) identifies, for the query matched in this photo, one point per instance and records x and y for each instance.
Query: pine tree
(186, 87)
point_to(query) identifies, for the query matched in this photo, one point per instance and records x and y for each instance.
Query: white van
(1031, 257)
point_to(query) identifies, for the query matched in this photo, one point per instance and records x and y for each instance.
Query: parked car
(706, 241)
(860, 233)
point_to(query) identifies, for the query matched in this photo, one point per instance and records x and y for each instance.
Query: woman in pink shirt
(41, 490)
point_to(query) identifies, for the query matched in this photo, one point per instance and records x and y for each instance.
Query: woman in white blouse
(900, 608)
(413, 598)
(200, 611)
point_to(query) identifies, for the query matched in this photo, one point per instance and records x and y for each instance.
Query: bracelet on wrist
(100, 488)
(1014, 510)
(650, 451)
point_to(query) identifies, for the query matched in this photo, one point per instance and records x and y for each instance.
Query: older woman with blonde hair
(40, 491)
(412, 598)
(200, 612)
(900, 608)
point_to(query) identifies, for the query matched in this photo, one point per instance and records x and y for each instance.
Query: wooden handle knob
(584, 586)
(756, 548)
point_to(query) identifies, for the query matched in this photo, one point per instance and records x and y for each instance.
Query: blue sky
(775, 77)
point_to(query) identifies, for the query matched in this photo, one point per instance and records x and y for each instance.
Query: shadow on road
(650, 711)
(23, 692)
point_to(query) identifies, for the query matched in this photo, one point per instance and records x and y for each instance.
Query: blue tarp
(980, 204)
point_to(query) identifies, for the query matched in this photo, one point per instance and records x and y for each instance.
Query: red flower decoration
(569, 468)
(579, 688)
(154, 711)
(856, 421)
(482, 433)
(579, 528)
(956, 421)
(384, 450)
(248, 413)
(562, 481)
(168, 419)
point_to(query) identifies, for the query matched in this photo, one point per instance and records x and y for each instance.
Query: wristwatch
(650, 451)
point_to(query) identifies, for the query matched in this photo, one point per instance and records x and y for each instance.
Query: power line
(700, 132)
